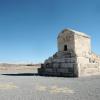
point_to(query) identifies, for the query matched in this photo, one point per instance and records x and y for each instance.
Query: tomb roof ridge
(75, 32)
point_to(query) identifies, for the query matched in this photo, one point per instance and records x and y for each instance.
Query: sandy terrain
(13, 68)
(22, 83)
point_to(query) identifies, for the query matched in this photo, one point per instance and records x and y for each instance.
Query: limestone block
(63, 65)
(49, 70)
(66, 65)
(56, 65)
(62, 70)
(82, 60)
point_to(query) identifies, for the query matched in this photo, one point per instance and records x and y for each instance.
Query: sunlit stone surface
(74, 56)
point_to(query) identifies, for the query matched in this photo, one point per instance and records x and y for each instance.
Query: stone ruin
(74, 57)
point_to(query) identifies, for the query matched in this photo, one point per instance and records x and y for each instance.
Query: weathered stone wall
(66, 38)
(82, 46)
(91, 67)
(88, 69)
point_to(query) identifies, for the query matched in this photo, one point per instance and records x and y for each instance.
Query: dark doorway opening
(65, 47)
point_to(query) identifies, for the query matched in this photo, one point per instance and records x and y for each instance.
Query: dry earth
(22, 83)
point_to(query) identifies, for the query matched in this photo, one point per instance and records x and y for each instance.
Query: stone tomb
(74, 57)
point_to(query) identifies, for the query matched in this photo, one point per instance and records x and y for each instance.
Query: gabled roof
(74, 32)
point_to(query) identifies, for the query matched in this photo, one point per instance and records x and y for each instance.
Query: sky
(29, 28)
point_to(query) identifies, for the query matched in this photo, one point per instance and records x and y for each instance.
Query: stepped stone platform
(74, 57)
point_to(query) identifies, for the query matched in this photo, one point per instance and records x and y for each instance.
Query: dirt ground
(10, 68)
(23, 83)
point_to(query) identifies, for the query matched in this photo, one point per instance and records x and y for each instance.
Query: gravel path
(30, 87)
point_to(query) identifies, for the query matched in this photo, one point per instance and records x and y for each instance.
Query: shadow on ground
(33, 74)
(22, 74)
